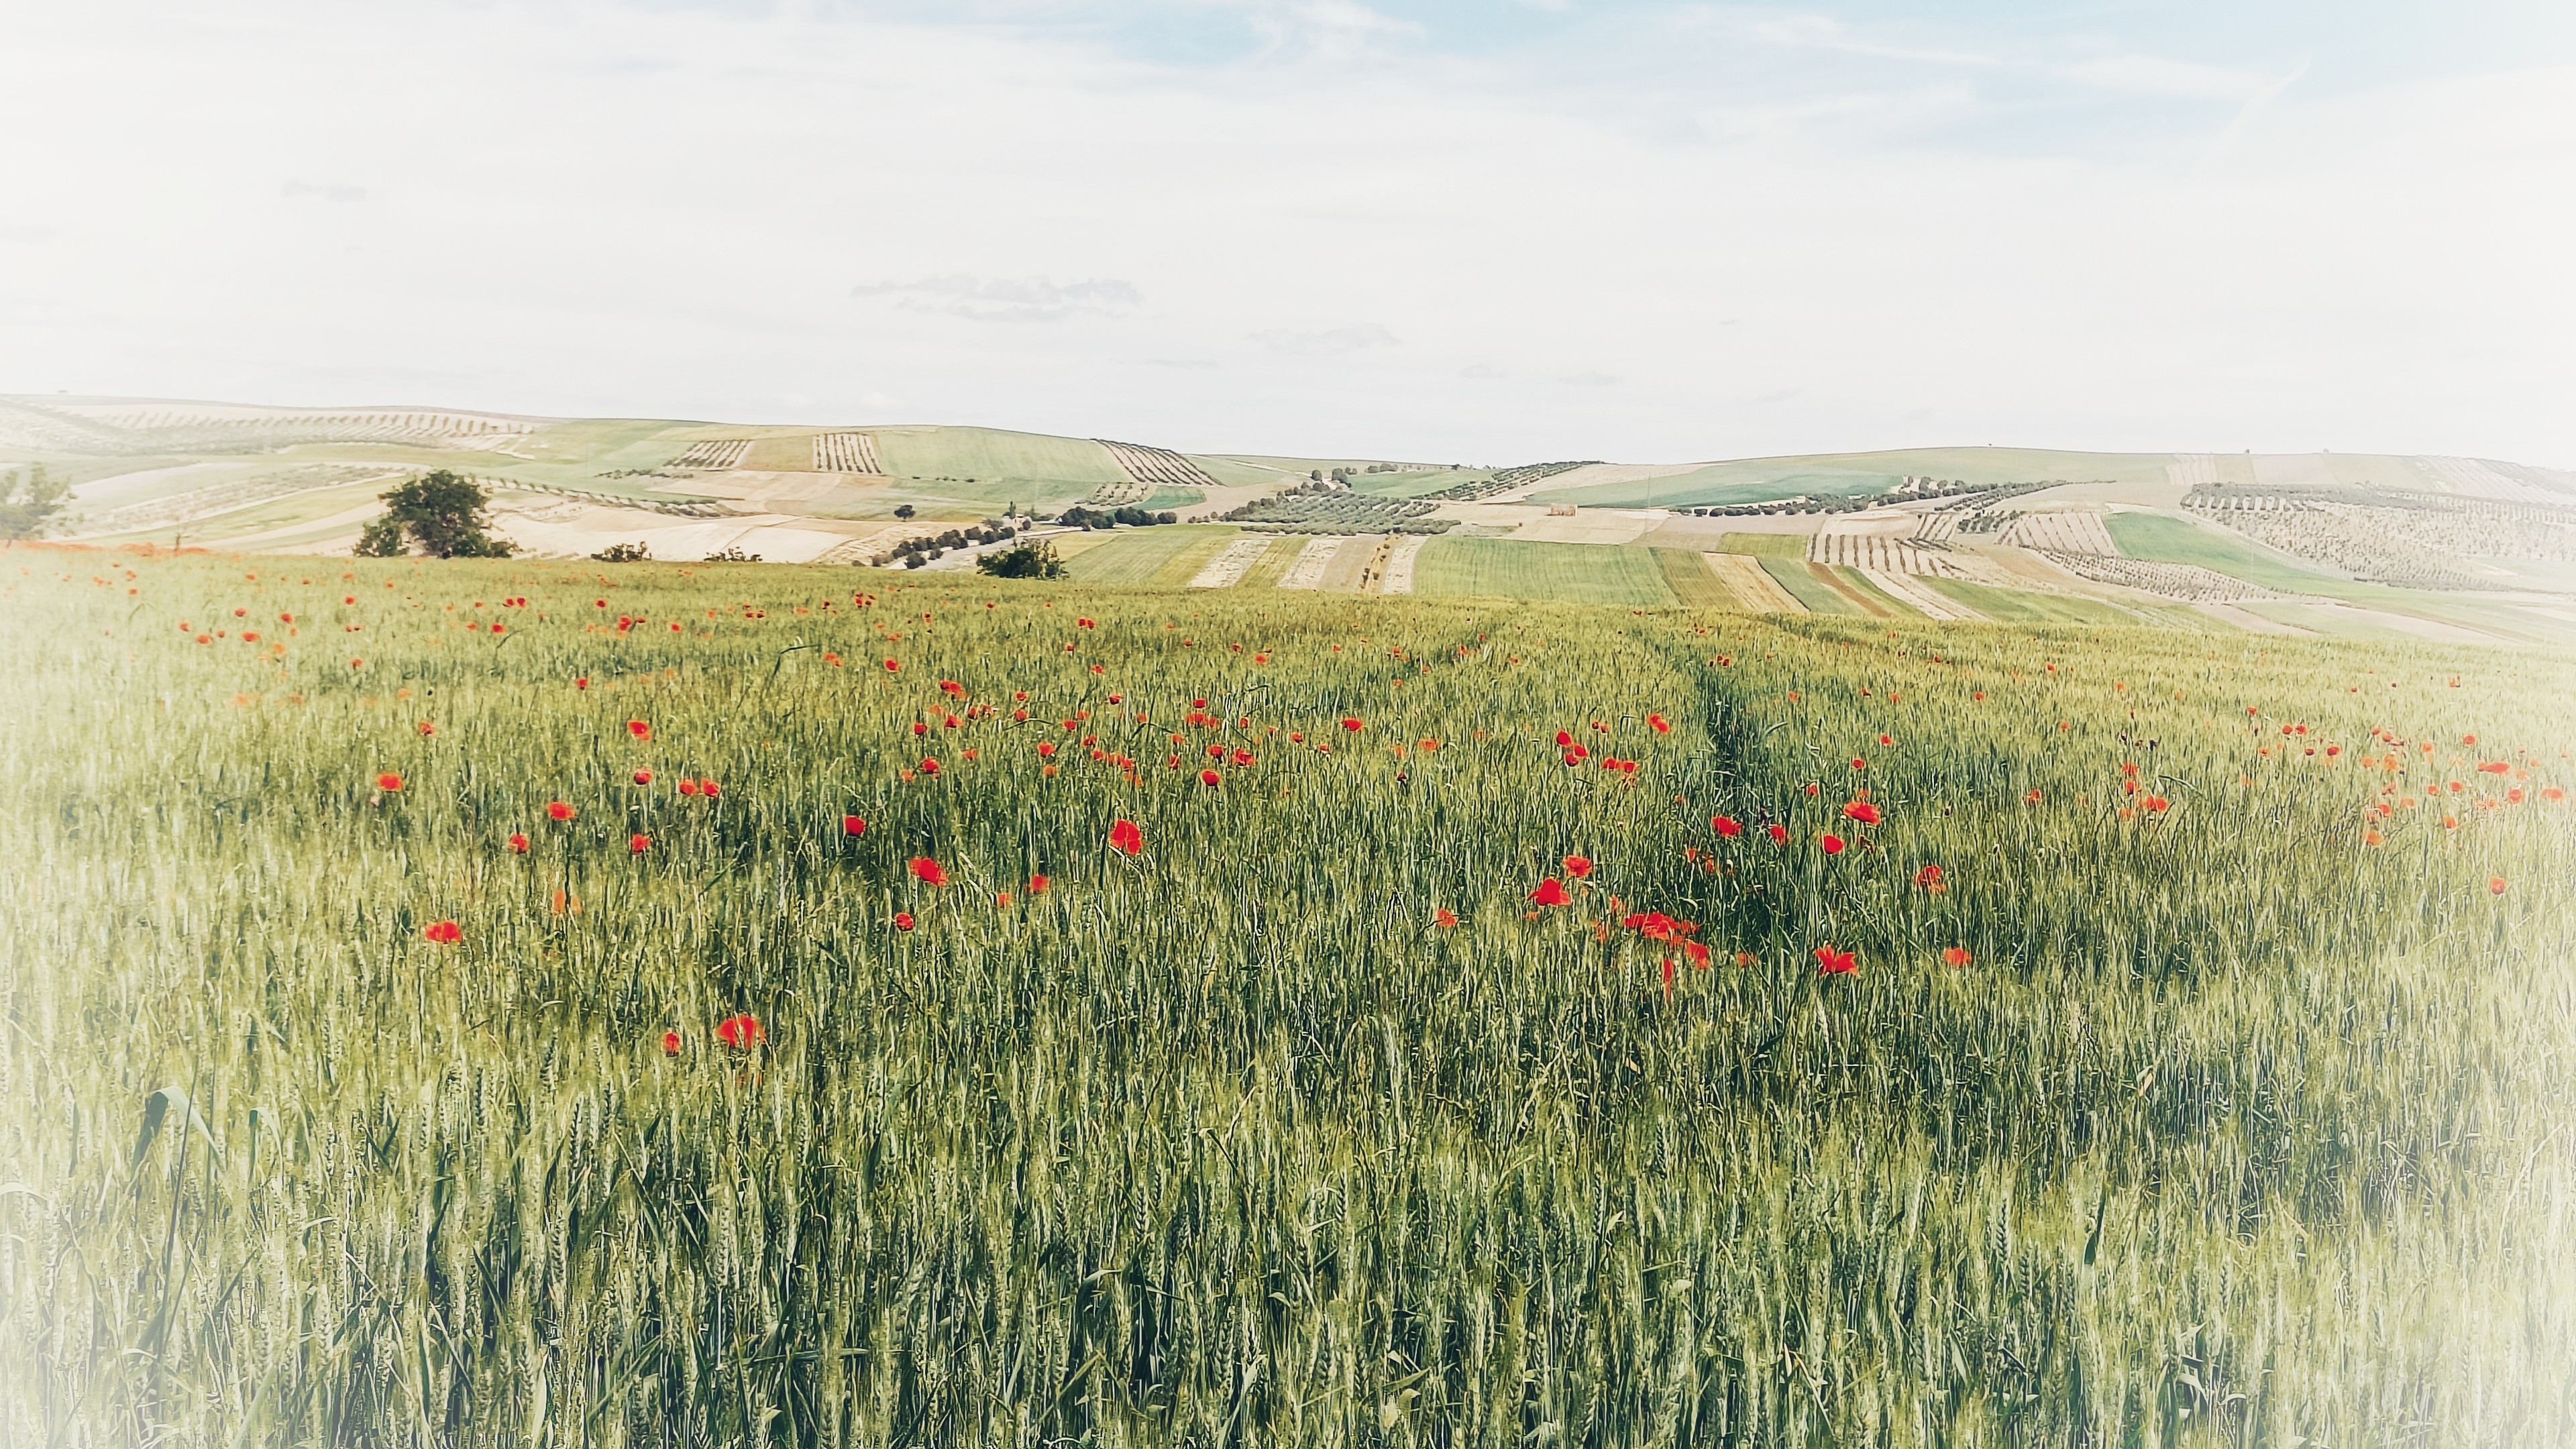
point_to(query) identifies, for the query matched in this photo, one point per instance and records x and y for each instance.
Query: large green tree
(28, 502)
(439, 514)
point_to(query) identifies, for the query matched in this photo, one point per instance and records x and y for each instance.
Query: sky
(1485, 231)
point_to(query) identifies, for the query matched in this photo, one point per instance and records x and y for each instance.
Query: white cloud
(583, 207)
(1328, 342)
(1006, 299)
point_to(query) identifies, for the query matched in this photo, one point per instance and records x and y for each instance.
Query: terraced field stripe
(1316, 556)
(1908, 589)
(1687, 574)
(1816, 595)
(1226, 569)
(1507, 568)
(1755, 592)
(1871, 597)
(1267, 570)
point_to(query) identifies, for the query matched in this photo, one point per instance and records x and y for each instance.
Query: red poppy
(929, 766)
(643, 777)
(2157, 803)
(639, 729)
(1698, 954)
(1859, 763)
(1564, 739)
(1832, 843)
(519, 843)
(445, 933)
(927, 871)
(1955, 956)
(670, 1043)
(558, 810)
(1887, 739)
(1659, 724)
(903, 920)
(1830, 962)
(1352, 725)
(853, 825)
(426, 727)
(1727, 827)
(1578, 866)
(1444, 918)
(389, 782)
(1862, 811)
(638, 844)
(892, 665)
(687, 785)
(1779, 834)
(1551, 892)
(583, 683)
(1038, 885)
(2495, 885)
(1126, 839)
(1929, 878)
(742, 1033)
(1210, 778)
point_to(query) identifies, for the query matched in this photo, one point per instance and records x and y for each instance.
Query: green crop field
(1687, 574)
(988, 455)
(1820, 597)
(519, 1003)
(1766, 545)
(2027, 606)
(1163, 554)
(1504, 568)
(1830, 475)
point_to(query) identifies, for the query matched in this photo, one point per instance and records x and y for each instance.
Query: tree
(903, 510)
(439, 514)
(1032, 560)
(28, 502)
(624, 553)
(730, 554)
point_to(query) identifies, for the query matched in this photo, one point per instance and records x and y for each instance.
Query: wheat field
(961, 1012)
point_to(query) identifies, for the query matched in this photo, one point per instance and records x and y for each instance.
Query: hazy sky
(1478, 230)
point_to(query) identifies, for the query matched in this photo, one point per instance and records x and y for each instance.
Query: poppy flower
(638, 844)
(1126, 839)
(2495, 885)
(1779, 834)
(687, 786)
(426, 728)
(1352, 725)
(1210, 778)
(1929, 879)
(519, 843)
(582, 683)
(1830, 962)
(903, 920)
(1955, 956)
(1038, 885)
(1859, 763)
(389, 782)
(2157, 803)
(742, 1033)
(639, 729)
(558, 810)
(1698, 954)
(929, 766)
(1578, 866)
(853, 825)
(1832, 843)
(1887, 739)
(927, 871)
(643, 777)
(1862, 811)
(670, 1043)
(1659, 724)
(1551, 892)
(1726, 826)
(1444, 918)
(445, 933)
